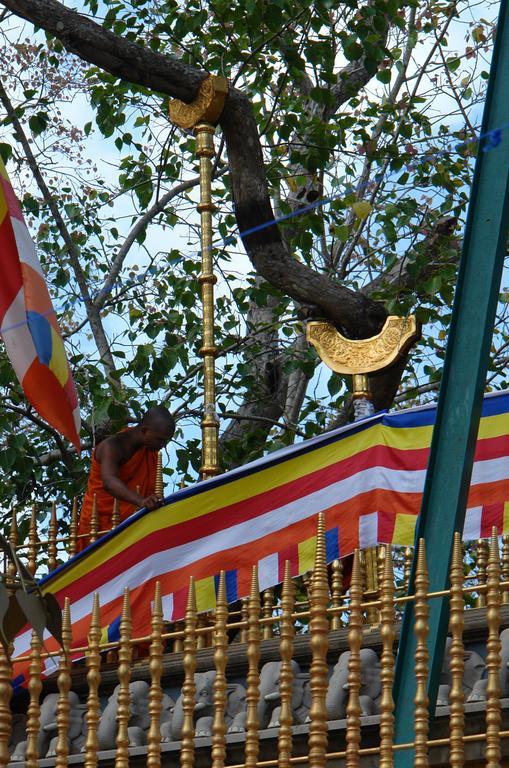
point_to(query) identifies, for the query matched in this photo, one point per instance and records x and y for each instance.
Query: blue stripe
(40, 330)
(231, 586)
(332, 544)
(114, 630)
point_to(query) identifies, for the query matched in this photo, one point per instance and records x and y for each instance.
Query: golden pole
(220, 643)
(202, 114)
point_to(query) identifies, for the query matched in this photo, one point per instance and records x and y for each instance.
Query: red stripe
(43, 390)
(492, 516)
(290, 553)
(11, 281)
(11, 199)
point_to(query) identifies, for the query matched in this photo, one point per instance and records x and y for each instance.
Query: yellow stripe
(58, 362)
(506, 518)
(104, 634)
(3, 171)
(307, 551)
(205, 594)
(244, 488)
(404, 530)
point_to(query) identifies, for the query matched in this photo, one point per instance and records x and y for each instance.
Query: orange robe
(138, 472)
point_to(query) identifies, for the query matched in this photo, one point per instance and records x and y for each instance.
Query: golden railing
(322, 614)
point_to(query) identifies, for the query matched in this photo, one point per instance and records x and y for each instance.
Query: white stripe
(268, 571)
(18, 341)
(472, 527)
(26, 247)
(167, 601)
(368, 530)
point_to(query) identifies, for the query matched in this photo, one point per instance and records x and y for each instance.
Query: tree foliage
(372, 105)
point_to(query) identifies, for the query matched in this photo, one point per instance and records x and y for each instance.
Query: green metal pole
(463, 382)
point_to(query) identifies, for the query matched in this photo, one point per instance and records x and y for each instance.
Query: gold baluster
(13, 538)
(482, 563)
(253, 674)
(201, 639)
(94, 521)
(371, 592)
(268, 607)
(159, 486)
(155, 700)
(93, 682)
(178, 643)
(124, 678)
(456, 624)
(32, 541)
(5, 708)
(353, 709)
(336, 592)
(73, 528)
(287, 632)
(319, 644)
(407, 566)
(380, 568)
(421, 612)
(64, 686)
(493, 661)
(115, 515)
(505, 567)
(34, 707)
(387, 631)
(243, 618)
(52, 538)
(189, 686)
(220, 643)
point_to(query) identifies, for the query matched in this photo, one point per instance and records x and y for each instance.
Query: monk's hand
(151, 502)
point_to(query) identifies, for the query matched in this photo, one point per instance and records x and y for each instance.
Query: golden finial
(287, 632)
(387, 631)
(34, 707)
(73, 529)
(371, 565)
(159, 485)
(482, 563)
(407, 566)
(493, 712)
(52, 538)
(319, 644)
(64, 686)
(124, 678)
(268, 607)
(456, 654)
(253, 674)
(505, 567)
(94, 521)
(93, 682)
(243, 617)
(220, 643)
(155, 700)
(32, 541)
(353, 709)
(189, 686)
(115, 515)
(336, 592)
(421, 629)
(5, 708)
(13, 538)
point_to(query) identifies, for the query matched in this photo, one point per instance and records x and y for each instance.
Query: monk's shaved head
(159, 418)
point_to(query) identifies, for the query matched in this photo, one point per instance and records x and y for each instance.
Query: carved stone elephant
(474, 671)
(479, 690)
(370, 691)
(139, 717)
(48, 727)
(269, 703)
(204, 707)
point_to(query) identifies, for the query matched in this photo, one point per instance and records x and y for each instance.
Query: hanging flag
(367, 478)
(28, 323)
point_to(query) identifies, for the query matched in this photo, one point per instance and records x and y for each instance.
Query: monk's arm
(110, 471)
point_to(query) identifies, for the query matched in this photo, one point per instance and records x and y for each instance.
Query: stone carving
(269, 707)
(370, 691)
(363, 355)
(139, 719)
(474, 671)
(48, 728)
(204, 707)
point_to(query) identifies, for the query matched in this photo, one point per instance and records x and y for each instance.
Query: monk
(124, 467)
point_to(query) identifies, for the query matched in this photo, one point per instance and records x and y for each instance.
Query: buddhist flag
(28, 323)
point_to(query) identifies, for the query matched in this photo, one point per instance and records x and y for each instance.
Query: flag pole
(201, 116)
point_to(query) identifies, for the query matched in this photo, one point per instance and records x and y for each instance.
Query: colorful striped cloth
(367, 478)
(28, 323)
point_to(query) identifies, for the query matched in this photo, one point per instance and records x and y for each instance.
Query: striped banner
(366, 477)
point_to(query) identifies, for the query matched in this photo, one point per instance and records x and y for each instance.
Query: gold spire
(421, 629)
(64, 686)
(32, 541)
(493, 711)
(353, 709)
(34, 707)
(456, 654)
(93, 682)
(319, 643)
(189, 686)
(155, 701)
(73, 529)
(124, 678)
(253, 674)
(220, 643)
(287, 632)
(52, 538)
(387, 631)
